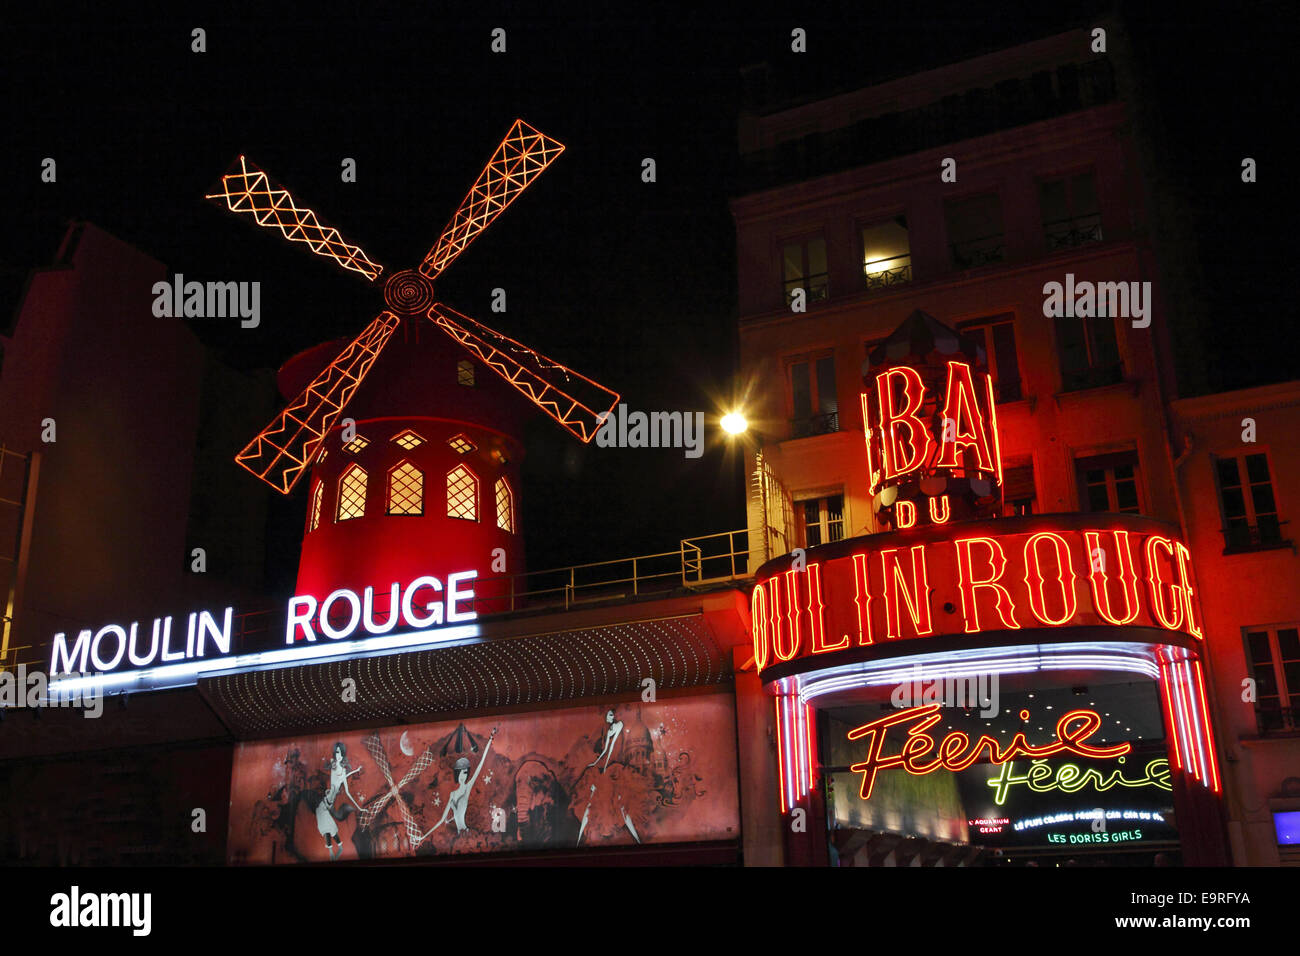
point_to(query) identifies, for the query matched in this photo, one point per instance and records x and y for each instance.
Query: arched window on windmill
(462, 494)
(352, 494)
(465, 373)
(405, 490)
(505, 506)
(317, 499)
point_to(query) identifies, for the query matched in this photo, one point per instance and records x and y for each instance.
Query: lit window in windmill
(408, 440)
(461, 445)
(462, 492)
(465, 373)
(499, 456)
(356, 445)
(505, 511)
(406, 490)
(352, 494)
(317, 496)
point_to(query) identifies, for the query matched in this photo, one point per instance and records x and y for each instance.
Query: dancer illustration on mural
(619, 788)
(327, 818)
(458, 801)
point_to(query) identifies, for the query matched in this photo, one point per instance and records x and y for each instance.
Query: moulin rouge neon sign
(956, 752)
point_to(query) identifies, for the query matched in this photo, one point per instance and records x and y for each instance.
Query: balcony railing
(978, 252)
(883, 277)
(1253, 537)
(822, 424)
(816, 288)
(1068, 233)
(1094, 376)
(1270, 719)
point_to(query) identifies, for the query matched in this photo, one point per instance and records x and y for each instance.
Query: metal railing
(886, 277)
(823, 424)
(978, 252)
(816, 287)
(1068, 233)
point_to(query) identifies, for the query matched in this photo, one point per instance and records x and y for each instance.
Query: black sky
(631, 283)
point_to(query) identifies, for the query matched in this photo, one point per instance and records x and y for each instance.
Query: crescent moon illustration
(405, 744)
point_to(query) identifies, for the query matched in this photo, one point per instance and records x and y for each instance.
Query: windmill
(394, 792)
(280, 454)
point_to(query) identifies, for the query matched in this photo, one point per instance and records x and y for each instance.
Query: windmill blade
(576, 402)
(281, 452)
(376, 805)
(520, 159)
(421, 764)
(248, 190)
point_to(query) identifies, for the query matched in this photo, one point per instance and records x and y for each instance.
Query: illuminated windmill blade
(393, 794)
(520, 159)
(572, 399)
(281, 452)
(248, 190)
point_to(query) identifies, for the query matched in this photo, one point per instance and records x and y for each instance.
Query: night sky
(630, 283)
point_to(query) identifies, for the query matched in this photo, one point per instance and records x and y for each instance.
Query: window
(499, 456)
(975, 231)
(1088, 351)
(317, 496)
(407, 440)
(804, 267)
(1019, 496)
(886, 254)
(1246, 498)
(356, 445)
(505, 507)
(1071, 216)
(465, 373)
(998, 338)
(1109, 483)
(462, 494)
(461, 445)
(322, 455)
(823, 519)
(406, 490)
(813, 404)
(352, 494)
(1274, 658)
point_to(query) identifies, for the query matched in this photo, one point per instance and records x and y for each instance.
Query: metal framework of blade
(531, 373)
(521, 157)
(248, 190)
(281, 452)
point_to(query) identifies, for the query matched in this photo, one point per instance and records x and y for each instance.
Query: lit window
(505, 507)
(352, 494)
(814, 407)
(804, 267)
(886, 254)
(408, 440)
(1274, 658)
(997, 336)
(406, 490)
(1071, 216)
(1246, 497)
(322, 455)
(499, 456)
(823, 520)
(462, 494)
(975, 231)
(356, 444)
(465, 373)
(461, 445)
(317, 496)
(1109, 483)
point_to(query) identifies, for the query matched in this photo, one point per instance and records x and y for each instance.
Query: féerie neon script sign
(952, 753)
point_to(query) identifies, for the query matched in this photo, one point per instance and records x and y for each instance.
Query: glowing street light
(733, 423)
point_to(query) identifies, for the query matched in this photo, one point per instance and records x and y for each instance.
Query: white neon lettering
(140, 660)
(433, 607)
(455, 596)
(354, 603)
(220, 636)
(99, 662)
(299, 617)
(368, 605)
(80, 650)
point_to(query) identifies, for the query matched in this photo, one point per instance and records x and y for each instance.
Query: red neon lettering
(758, 612)
(873, 473)
(896, 460)
(993, 427)
(1072, 733)
(862, 599)
(904, 514)
(917, 597)
(960, 407)
(1185, 580)
(789, 619)
(817, 614)
(969, 583)
(1098, 578)
(1168, 612)
(1035, 579)
(941, 513)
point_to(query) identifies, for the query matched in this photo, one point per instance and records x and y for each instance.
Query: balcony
(823, 424)
(817, 288)
(978, 252)
(1069, 233)
(1240, 537)
(887, 273)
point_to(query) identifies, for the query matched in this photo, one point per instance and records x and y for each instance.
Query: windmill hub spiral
(408, 293)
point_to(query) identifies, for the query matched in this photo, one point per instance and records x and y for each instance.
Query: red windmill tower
(428, 485)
